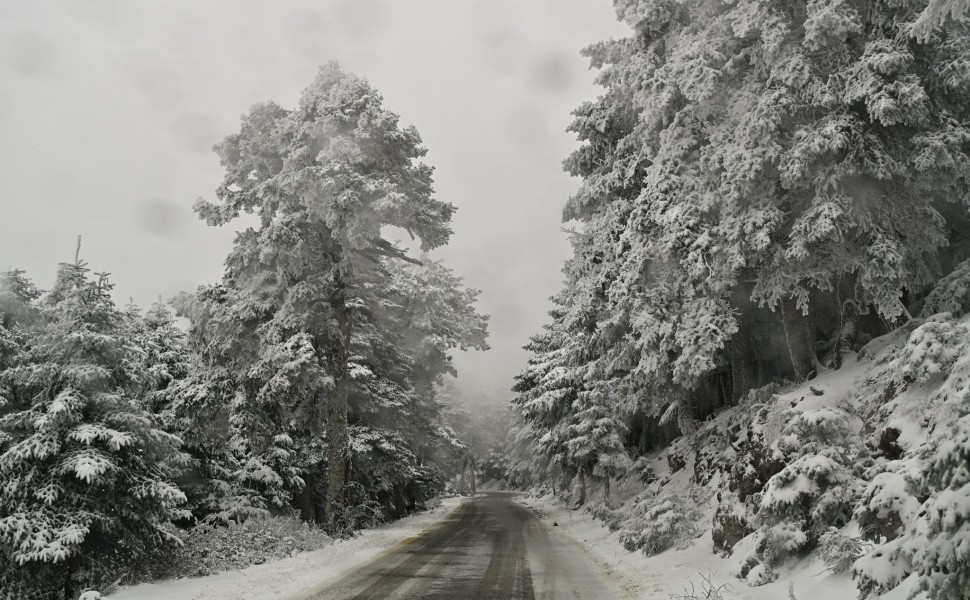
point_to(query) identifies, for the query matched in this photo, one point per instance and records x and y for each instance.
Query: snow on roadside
(291, 578)
(672, 572)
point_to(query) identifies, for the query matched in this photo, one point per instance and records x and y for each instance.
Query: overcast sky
(109, 110)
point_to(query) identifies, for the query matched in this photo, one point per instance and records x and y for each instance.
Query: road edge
(619, 583)
(345, 570)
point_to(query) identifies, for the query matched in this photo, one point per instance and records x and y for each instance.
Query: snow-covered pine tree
(595, 443)
(404, 331)
(176, 393)
(804, 143)
(753, 168)
(87, 471)
(167, 358)
(323, 179)
(812, 493)
(435, 314)
(565, 393)
(251, 395)
(17, 315)
(404, 327)
(545, 393)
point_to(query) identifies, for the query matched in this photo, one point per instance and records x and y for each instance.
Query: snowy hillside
(856, 479)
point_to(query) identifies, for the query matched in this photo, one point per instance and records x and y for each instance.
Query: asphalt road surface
(489, 548)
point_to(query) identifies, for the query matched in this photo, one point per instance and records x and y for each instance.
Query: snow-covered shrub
(675, 461)
(780, 540)
(887, 503)
(815, 490)
(611, 517)
(360, 513)
(706, 590)
(930, 537)
(917, 506)
(642, 468)
(212, 548)
(708, 447)
(914, 505)
(951, 293)
(732, 522)
(754, 460)
(840, 551)
(940, 537)
(881, 569)
(749, 463)
(933, 348)
(760, 573)
(930, 359)
(654, 524)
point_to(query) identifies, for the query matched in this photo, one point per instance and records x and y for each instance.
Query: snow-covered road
(291, 578)
(490, 548)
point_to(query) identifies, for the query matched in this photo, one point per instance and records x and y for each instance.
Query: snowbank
(674, 571)
(292, 578)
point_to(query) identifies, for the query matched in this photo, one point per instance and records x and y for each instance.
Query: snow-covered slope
(853, 484)
(676, 572)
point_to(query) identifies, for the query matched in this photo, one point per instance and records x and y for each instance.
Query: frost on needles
(765, 188)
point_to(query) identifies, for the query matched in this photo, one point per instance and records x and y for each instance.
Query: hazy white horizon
(111, 107)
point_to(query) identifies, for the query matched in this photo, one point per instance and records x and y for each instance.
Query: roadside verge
(295, 576)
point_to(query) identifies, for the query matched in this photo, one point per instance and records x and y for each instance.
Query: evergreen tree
(570, 393)
(813, 492)
(17, 316)
(401, 351)
(284, 327)
(546, 392)
(88, 473)
(754, 169)
(167, 359)
(936, 14)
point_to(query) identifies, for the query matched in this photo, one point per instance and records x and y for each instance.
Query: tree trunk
(337, 437)
(582, 487)
(307, 500)
(606, 490)
(471, 469)
(848, 328)
(743, 375)
(461, 476)
(848, 321)
(800, 336)
(400, 502)
(74, 564)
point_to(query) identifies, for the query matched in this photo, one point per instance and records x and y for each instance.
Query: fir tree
(17, 315)
(568, 394)
(88, 473)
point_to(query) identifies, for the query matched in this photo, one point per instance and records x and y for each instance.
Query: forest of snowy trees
(761, 345)
(304, 383)
(767, 189)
